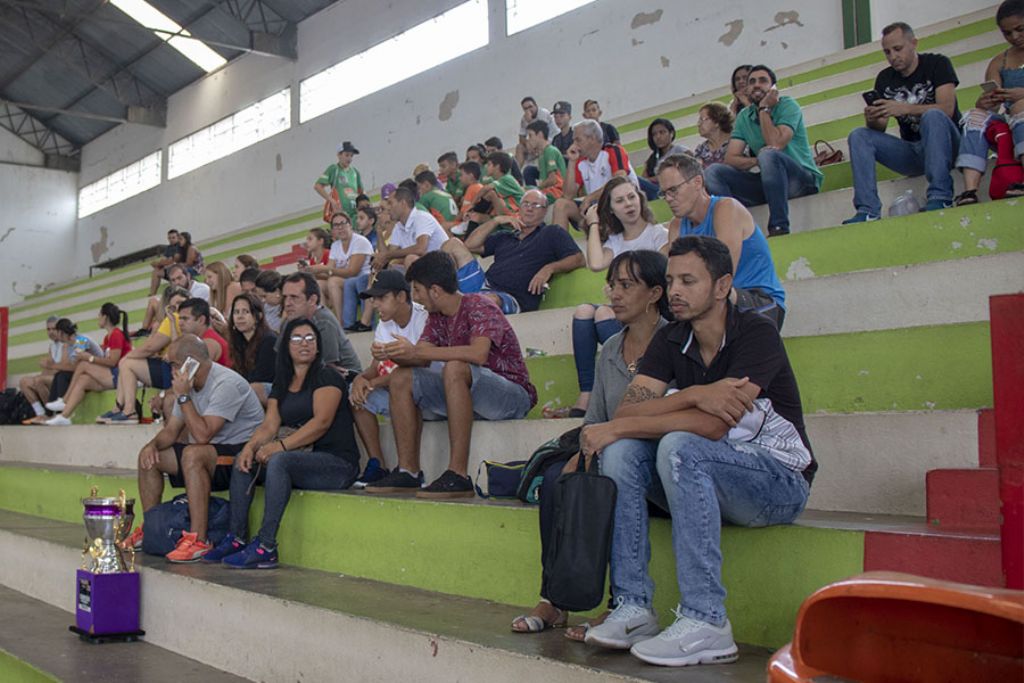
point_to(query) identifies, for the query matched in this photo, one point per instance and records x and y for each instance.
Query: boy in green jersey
(448, 174)
(341, 183)
(550, 162)
(439, 203)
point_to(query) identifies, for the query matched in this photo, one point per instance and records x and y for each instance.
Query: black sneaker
(448, 485)
(396, 482)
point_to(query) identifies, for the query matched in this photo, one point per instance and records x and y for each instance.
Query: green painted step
(489, 551)
(924, 44)
(206, 246)
(942, 367)
(14, 670)
(963, 232)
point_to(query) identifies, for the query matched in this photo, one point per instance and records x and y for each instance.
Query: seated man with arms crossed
(300, 296)
(399, 317)
(416, 232)
(467, 364)
(527, 253)
(179, 276)
(729, 445)
(35, 388)
(219, 411)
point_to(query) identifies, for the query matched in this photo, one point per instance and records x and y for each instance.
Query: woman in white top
(621, 221)
(348, 269)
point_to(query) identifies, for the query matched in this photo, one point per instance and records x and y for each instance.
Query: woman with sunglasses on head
(307, 441)
(620, 222)
(637, 294)
(251, 344)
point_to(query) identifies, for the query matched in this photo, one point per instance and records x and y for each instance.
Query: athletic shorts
(226, 453)
(159, 373)
(470, 277)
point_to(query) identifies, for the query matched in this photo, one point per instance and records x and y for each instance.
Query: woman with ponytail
(95, 372)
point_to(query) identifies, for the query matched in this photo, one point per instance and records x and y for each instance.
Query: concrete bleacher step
(962, 556)
(35, 645)
(964, 499)
(329, 627)
(951, 37)
(870, 462)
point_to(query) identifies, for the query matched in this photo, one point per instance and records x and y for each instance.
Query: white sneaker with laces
(689, 641)
(58, 421)
(56, 406)
(626, 625)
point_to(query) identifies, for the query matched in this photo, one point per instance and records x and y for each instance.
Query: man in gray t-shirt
(215, 414)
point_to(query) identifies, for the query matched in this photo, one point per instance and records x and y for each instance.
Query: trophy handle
(94, 491)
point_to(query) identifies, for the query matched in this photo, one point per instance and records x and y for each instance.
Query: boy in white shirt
(399, 317)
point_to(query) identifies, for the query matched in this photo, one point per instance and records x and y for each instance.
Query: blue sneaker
(253, 556)
(861, 217)
(937, 205)
(373, 472)
(105, 417)
(229, 546)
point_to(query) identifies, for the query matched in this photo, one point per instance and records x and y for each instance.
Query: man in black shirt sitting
(919, 90)
(729, 445)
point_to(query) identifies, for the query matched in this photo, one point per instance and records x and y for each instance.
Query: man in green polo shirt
(772, 126)
(550, 162)
(439, 203)
(340, 184)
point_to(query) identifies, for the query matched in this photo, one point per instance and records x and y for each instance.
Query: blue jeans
(310, 470)
(932, 155)
(493, 396)
(781, 179)
(974, 145)
(650, 189)
(700, 482)
(350, 305)
(586, 335)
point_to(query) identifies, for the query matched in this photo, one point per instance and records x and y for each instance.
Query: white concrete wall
(922, 12)
(38, 240)
(630, 54)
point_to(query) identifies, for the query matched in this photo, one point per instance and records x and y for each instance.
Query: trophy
(107, 604)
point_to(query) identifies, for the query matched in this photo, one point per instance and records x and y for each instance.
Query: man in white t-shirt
(178, 276)
(592, 163)
(399, 317)
(416, 233)
(531, 113)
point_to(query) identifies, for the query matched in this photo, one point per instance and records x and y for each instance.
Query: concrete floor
(478, 622)
(37, 633)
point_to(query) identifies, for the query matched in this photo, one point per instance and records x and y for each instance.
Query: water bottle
(904, 205)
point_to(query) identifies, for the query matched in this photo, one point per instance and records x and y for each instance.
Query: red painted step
(964, 499)
(987, 437)
(963, 557)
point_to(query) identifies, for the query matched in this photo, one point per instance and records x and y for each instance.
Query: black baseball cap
(386, 281)
(347, 147)
(562, 107)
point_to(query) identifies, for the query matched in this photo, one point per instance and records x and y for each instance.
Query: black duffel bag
(581, 542)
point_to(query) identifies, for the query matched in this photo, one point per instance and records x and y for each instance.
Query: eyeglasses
(299, 338)
(533, 205)
(671, 191)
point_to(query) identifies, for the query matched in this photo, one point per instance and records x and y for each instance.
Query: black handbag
(581, 543)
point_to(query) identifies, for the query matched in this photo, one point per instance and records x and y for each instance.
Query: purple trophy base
(107, 603)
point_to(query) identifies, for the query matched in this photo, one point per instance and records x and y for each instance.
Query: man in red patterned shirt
(467, 363)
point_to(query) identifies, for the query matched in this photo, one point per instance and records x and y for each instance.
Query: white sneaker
(58, 421)
(56, 406)
(689, 641)
(460, 229)
(626, 625)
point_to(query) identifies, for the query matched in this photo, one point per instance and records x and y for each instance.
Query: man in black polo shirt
(729, 445)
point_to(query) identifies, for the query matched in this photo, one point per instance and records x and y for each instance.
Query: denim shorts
(159, 373)
(494, 397)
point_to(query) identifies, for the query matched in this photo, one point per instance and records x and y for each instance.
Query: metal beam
(149, 116)
(36, 133)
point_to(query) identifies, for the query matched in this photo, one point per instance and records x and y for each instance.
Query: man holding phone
(919, 91)
(215, 414)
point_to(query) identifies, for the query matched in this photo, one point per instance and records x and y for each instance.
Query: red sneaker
(189, 549)
(134, 540)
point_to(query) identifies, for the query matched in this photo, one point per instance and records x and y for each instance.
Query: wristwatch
(767, 109)
(183, 399)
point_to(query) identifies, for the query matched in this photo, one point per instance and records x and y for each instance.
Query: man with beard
(729, 445)
(773, 128)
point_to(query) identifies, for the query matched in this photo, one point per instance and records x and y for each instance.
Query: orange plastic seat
(887, 626)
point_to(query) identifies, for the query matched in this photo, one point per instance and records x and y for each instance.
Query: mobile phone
(870, 97)
(190, 367)
(303, 263)
(989, 86)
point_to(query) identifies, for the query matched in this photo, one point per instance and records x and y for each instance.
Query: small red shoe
(134, 540)
(189, 549)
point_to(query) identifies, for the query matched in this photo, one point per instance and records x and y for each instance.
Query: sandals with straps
(966, 198)
(534, 624)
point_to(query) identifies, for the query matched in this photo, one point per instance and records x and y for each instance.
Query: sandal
(535, 624)
(578, 633)
(1015, 190)
(966, 198)
(561, 413)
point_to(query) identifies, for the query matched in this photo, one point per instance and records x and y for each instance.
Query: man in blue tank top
(756, 286)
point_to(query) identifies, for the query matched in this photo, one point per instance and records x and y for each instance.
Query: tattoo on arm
(636, 393)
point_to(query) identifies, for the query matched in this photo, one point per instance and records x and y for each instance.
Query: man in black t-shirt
(919, 90)
(729, 445)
